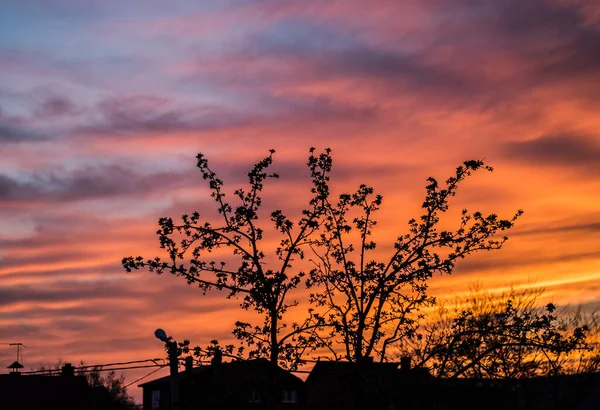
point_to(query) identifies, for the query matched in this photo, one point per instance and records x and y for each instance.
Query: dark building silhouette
(368, 385)
(365, 385)
(40, 392)
(252, 384)
(572, 392)
(390, 386)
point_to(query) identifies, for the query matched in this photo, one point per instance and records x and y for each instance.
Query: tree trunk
(274, 342)
(274, 358)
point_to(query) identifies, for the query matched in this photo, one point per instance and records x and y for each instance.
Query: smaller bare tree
(506, 336)
(586, 360)
(111, 381)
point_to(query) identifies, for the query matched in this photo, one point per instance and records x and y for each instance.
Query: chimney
(67, 370)
(405, 363)
(217, 358)
(189, 365)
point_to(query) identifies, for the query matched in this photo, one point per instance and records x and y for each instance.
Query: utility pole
(171, 346)
(174, 371)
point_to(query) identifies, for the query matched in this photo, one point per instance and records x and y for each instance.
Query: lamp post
(171, 346)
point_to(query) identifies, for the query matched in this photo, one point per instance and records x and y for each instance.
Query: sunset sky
(105, 104)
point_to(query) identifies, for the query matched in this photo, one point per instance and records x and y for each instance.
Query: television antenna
(19, 352)
(17, 365)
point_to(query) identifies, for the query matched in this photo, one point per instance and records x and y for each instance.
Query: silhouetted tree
(262, 283)
(365, 304)
(497, 336)
(113, 384)
(373, 303)
(586, 360)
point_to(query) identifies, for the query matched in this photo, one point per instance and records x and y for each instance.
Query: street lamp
(171, 346)
(161, 335)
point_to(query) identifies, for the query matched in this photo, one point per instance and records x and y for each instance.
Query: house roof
(346, 370)
(167, 379)
(235, 370)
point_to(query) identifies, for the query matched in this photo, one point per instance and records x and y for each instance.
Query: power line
(142, 378)
(124, 368)
(90, 370)
(120, 363)
(104, 367)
